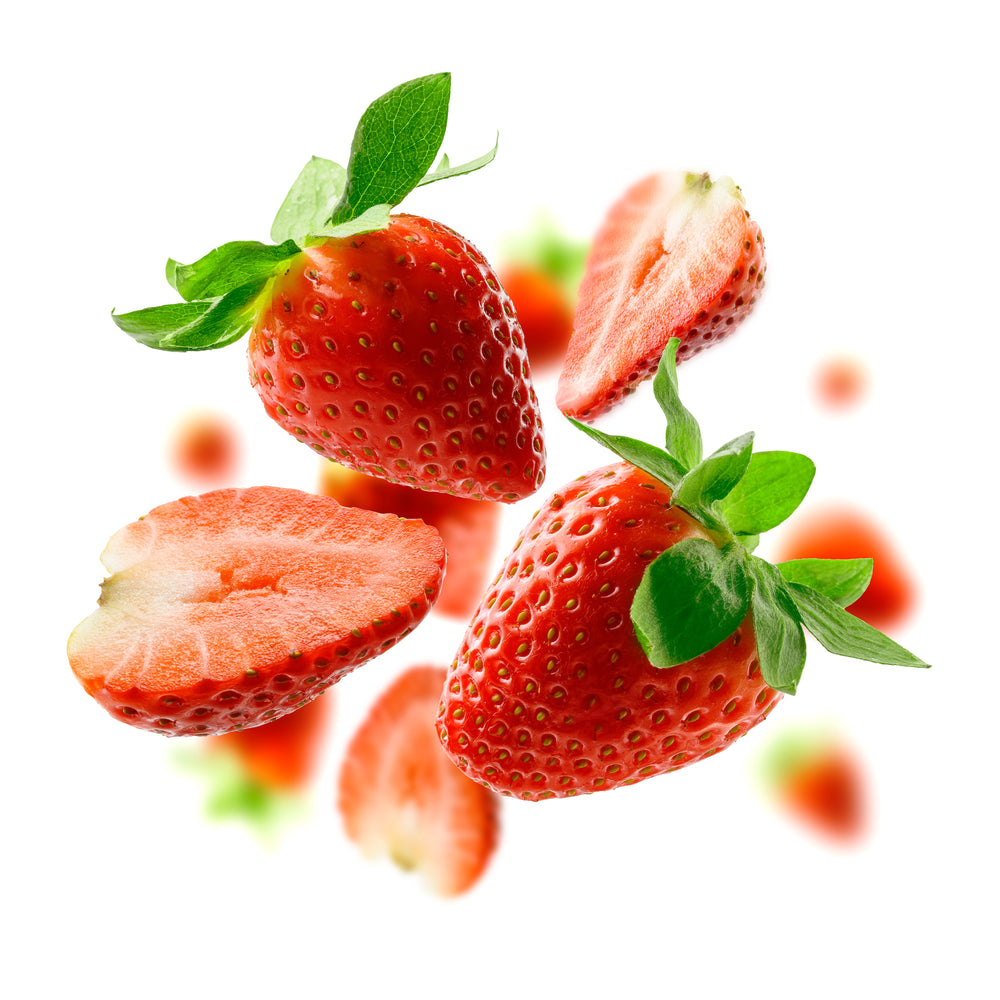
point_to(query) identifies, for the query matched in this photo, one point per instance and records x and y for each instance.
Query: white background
(862, 137)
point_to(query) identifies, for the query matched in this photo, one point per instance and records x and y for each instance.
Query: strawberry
(469, 528)
(385, 342)
(205, 448)
(841, 531)
(819, 781)
(233, 608)
(677, 256)
(840, 382)
(632, 632)
(400, 796)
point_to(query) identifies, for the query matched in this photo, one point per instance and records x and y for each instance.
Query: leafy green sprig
(696, 593)
(393, 151)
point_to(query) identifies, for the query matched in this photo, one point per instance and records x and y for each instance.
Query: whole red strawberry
(398, 353)
(631, 631)
(382, 341)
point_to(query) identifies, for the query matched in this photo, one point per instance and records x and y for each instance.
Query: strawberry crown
(696, 593)
(394, 147)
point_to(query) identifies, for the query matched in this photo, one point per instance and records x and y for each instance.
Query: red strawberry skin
(236, 607)
(545, 312)
(399, 354)
(551, 695)
(677, 256)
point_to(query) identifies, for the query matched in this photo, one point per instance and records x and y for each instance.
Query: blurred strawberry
(820, 782)
(540, 270)
(840, 382)
(205, 448)
(402, 797)
(843, 532)
(469, 528)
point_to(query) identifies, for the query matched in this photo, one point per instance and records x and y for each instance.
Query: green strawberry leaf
(194, 326)
(445, 170)
(650, 459)
(841, 580)
(775, 484)
(844, 634)
(683, 433)
(714, 477)
(394, 145)
(781, 644)
(310, 201)
(227, 267)
(371, 220)
(690, 598)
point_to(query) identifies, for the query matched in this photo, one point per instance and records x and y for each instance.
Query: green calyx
(393, 151)
(697, 592)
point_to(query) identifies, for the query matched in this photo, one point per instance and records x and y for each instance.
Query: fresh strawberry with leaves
(541, 269)
(236, 607)
(400, 796)
(677, 256)
(632, 631)
(469, 528)
(385, 342)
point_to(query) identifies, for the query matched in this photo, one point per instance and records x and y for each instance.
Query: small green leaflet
(690, 598)
(714, 477)
(227, 267)
(683, 432)
(194, 326)
(844, 634)
(394, 145)
(841, 580)
(445, 170)
(372, 219)
(644, 456)
(310, 201)
(781, 644)
(775, 484)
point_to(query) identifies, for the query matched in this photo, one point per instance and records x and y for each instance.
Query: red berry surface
(399, 354)
(544, 311)
(550, 693)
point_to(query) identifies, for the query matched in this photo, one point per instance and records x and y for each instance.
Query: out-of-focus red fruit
(841, 382)
(544, 310)
(819, 781)
(470, 528)
(842, 532)
(400, 796)
(281, 755)
(205, 448)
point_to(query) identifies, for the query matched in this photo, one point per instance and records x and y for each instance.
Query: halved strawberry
(677, 256)
(470, 528)
(235, 607)
(401, 796)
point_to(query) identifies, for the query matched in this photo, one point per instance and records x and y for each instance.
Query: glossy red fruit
(839, 531)
(469, 528)
(401, 797)
(677, 256)
(233, 608)
(399, 354)
(544, 311)
(550, 693)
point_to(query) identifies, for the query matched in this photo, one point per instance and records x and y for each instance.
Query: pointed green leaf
(842, 580)
(230, 266)
(653, 460)
(775, 484)
(683, 432)
(310, 201)
(690, 598)
(844, 634)
(375, 218)
(445, 170)
(194, 326)
(714, 477)
(394, 145)
(781, 644)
